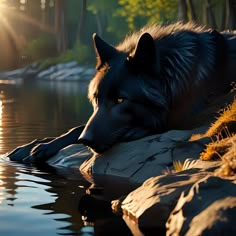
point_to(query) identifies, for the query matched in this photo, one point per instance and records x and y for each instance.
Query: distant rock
(20, 73)
(69, 71)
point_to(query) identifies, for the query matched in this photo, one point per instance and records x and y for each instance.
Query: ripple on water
(31, 202)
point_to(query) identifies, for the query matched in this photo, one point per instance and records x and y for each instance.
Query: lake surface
(44, 202)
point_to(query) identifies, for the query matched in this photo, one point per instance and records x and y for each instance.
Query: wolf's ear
(145, 52)
(103, 50)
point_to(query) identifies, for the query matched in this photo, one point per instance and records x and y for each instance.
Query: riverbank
(183, 176)
(186, 178)
(69, 71)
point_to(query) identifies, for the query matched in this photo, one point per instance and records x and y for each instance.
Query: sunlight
(1, 108)
(7, 12)
(1, 128)
(3, 8)
(1, 187)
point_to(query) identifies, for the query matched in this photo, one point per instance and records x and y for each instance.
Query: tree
(82, 19)
(230, 14)
(192, 10)
(182, 10)
(60, 26)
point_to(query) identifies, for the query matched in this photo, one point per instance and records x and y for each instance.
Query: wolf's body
(158, 79)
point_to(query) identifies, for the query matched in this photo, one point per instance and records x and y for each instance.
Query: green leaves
(158, 11)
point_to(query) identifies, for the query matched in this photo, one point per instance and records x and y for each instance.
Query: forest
(59, 30)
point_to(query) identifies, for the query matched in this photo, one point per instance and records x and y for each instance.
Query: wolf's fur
(156, 80)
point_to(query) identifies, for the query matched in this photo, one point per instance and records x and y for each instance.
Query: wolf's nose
(86, 139)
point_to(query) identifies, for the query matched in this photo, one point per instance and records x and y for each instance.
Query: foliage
(137, 12)
(40, 48)
(80, 53)
(111, 19)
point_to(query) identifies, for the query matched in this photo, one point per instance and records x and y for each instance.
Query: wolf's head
(128, 99)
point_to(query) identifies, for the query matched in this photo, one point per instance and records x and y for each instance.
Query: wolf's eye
(119, 100)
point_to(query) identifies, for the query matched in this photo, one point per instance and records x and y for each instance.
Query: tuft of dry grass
(225, 125)
(179, 166)
(228, 166)
(188, 164)
(215, 150)
(223, 130)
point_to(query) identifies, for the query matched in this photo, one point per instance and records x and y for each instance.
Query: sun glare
(1, 128)
(3, 8)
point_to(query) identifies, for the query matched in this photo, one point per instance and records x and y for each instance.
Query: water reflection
(35, 202)
(45, 202)
(32, 201)
(38, 109)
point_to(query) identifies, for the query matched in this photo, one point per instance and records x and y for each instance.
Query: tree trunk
(223, 16)
(82, 20)
(192, 10)
(60, 26)
(182, 10)
(230, 14)
(210, 15)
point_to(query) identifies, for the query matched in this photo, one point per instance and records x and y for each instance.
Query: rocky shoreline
(186, 178)
(69, 71)
(183, 188)
(168, 200)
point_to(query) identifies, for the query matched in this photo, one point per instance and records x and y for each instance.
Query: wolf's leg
(19, 153)
(42, 152)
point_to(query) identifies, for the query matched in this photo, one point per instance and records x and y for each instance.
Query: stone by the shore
(209, 208)
(141, 159)
(20, 73)
(68, 71)
(71, 156)
(150, 204)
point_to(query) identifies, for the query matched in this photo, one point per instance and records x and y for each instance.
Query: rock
(69, 71)
(209, 208)
(150, 204)
(21, 73)
(141, 159)
(71, 156)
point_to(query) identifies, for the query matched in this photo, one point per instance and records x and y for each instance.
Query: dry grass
(215, 150)
(225, 125)
(188, 164)
(228, 167)
(223, 145)
(179, 166)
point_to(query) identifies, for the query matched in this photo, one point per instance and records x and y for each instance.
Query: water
(33, 201)
(44, 202)
(30, 110)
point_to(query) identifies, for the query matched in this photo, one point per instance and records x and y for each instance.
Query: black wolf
(156, 80)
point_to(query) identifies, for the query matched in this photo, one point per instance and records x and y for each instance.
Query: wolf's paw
(19, 153)
(42, 152)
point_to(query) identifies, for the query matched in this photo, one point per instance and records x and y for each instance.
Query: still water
(41, 202)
